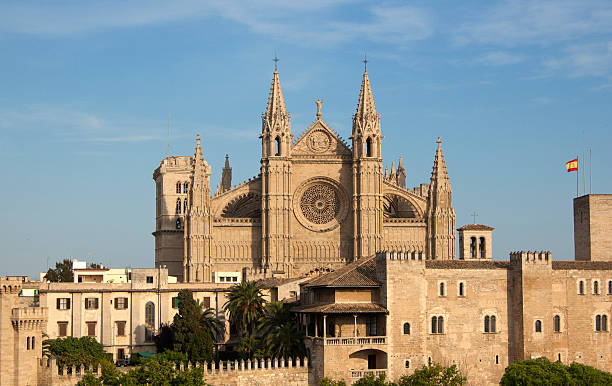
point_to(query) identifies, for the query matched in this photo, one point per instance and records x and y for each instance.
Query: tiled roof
(272, 282)
(475, 227)
(341, 308)
(586, 265)
(467, 264)
(360, 273)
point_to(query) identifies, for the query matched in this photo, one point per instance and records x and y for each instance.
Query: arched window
(407, 328)
(369, 147)
(185, 206)
(178, 206)
(557, 323)
(486, 323)
(186, 187)
(178, 187)
(604, 323)
(581, 287)
(440, 325)
(461, 291)
(28, 343)
(434, 324)
(441, 289)
(492, 323)
(473, 247)
(595, 287)
(149, 321)
(496, 359)
(609, 287)
(482, 248)
(277, 146)
(538, 326)
(33, 344)
(407, 364)
(179, 224)
(598, 323)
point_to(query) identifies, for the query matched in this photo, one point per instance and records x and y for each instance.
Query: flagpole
(590, 172)
(577, 176)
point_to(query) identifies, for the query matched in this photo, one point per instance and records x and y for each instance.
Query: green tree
(275, 314)
(210, 323)
(286, 341)
(371, 380)
(190, 334)
(538, 371)
(587, 375)
(245, 305)
(329, 382)
(75, 351)
(434, 375)
(248, 346)
(61, 273)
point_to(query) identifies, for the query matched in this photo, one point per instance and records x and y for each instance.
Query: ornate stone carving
(318, 141)
(320, 204)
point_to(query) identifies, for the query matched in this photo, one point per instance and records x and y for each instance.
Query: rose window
(320, 204)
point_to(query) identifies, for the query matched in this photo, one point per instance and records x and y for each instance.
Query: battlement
(415, 256)
(12, 284)
(535, 257)
(29, 318)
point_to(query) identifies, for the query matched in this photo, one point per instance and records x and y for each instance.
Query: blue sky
(512, 87)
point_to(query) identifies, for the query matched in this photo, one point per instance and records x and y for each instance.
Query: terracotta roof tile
(360, 273)
(341, 308)
(586, 265)
(475, 227)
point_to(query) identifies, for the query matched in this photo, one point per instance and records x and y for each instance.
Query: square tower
(592, 227)
(475, 242)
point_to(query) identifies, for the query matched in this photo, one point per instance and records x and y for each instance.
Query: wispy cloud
(497, 58)
(592, 59)
(311, 22)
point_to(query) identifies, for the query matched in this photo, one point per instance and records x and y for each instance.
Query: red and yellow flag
(572, 165)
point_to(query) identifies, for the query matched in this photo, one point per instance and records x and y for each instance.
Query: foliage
(157, 371)
(329, 382)
(175, 357)
(75, 351)
(434, 375)
(286, 341)
(543, 372)
(164, 340)
(245, 305)
(61, 273)
(275, 314)
(248, 346)
(371, 380)
(191, 332)
(210, 323)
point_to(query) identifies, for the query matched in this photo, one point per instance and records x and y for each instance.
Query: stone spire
(366, 118)
(439, 173)
(276, 117)
(386, 176)
(226, 177)
(392, 175)
(401, 174)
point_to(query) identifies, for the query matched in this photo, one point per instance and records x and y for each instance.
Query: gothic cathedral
(316, 204)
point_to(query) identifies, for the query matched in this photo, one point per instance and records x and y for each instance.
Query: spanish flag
(572, 165)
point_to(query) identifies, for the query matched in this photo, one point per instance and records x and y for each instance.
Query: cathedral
(317, 203)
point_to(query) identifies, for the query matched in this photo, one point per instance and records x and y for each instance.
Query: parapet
(529, 257)
(401, 255)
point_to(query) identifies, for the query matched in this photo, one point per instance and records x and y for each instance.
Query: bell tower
(367, 174)
(276, 183)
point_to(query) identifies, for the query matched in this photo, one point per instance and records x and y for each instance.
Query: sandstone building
(317, 202)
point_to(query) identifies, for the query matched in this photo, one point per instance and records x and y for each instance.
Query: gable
(319, 141)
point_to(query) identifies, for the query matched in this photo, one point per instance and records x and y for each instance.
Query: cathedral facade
(317, 203)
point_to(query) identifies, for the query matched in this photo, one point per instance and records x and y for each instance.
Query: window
(120, 354)
(595, 287)
(175, 302)
(178, 187)
(120, 328)
(557, 323)
(179, 224)
(150, 279)
(121, 303)
(369, 147)
(206, 302)
(473, 247)
(406, 328)
(63, 303)
(33, 344)
(28, 343)
(277, 145)
(461, 290)
(442, 290)
(91, 303)
(538, 326)
(222, 279)
(481, 248)
(149, 321)
(601, 323)
(178, 206)
(91, 329)
(185, 206)
(496, 359)
(489, 324)
(371, 326)
(407, 364)
(437, 325)
(62, 329)
(581, 287)
(186, 187)
(609, 287)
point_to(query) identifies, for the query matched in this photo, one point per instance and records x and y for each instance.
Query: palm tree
(286, 341)
(245, 304)
(210, 323)
(275, 315)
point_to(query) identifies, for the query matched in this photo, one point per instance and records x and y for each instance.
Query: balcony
(358, 374)
(356, 341)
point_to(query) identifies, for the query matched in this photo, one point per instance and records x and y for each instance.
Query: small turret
(401, 174)
(226, 177)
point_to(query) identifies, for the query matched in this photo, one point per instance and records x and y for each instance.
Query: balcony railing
(356, 374)
(356, 341)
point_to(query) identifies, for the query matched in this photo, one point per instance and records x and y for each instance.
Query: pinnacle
(227, 165)
(439, 168)
(365, 105)
(276, 102)
(400, 165)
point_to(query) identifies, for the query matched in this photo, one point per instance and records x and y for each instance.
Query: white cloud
(592, 59)
(497, 58)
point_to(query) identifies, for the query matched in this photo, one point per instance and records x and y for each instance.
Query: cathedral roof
(475, 227)
(360, 273)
